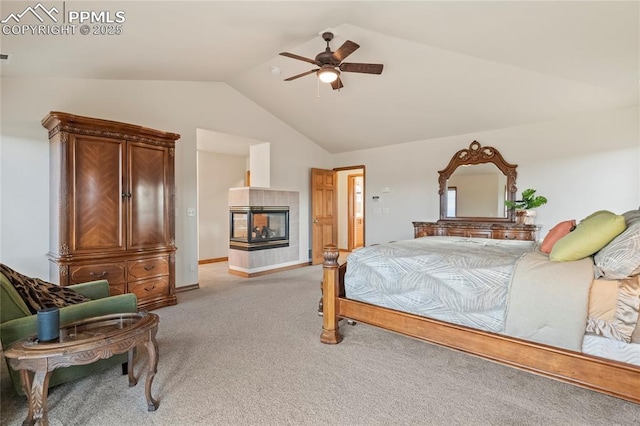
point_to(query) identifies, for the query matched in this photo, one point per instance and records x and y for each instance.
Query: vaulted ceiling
(450, 67)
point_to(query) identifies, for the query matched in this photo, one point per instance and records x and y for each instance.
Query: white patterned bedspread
(458, 280)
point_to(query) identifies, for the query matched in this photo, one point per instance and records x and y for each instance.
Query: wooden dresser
(112, 206)
(496, 230)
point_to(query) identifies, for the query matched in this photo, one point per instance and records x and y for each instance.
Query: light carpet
(247, 352)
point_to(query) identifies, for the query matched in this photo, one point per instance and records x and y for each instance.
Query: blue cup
(48, 325)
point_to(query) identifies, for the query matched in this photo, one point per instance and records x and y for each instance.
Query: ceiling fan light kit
(328, 74)
(330, 63)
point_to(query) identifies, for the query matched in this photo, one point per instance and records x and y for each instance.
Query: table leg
(133, 380)
(152, 348)
(36, 389)
(25, 379)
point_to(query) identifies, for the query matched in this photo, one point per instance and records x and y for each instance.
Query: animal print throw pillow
(38, 294)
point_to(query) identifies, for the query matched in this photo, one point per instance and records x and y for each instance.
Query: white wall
(179, 107)
(216, 174)
(581, 164)
(260, 165)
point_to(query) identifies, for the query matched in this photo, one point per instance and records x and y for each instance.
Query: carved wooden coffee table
(80, 343)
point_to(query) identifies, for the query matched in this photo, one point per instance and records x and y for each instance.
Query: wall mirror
(475, 185)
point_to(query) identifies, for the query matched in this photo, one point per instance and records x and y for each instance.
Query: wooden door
(96, 208)
(148, 200)
(324, 212)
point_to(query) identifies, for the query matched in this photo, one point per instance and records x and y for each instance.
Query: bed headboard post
(330, 268)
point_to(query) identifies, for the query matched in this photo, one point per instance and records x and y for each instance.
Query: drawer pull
(149, 289)
(100, 275)
(507, 237)
(149, 267)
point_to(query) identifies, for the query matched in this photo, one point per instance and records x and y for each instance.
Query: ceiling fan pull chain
(318, 88)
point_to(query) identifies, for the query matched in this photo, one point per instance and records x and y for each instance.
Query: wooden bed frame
(610, 377)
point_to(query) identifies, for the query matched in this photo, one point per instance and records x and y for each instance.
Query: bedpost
(330, 327)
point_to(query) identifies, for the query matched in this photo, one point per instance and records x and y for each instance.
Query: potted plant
(525, 214)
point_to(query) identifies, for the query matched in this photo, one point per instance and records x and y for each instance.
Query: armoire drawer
(117, 289)
(151, 287)
(112, 272)
(148, 268)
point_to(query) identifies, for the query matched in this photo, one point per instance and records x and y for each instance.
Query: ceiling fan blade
(347, 48)
(300, 58)
(362, 68)
(337, 84)
(301, 75)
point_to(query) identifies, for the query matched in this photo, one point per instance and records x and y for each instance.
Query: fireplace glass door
(259, 228)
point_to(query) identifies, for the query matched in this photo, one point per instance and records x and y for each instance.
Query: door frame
(351, 210)
(361, 170)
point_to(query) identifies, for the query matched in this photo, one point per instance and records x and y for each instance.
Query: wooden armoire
(112, 206)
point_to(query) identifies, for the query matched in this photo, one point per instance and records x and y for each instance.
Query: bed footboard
(610, 377)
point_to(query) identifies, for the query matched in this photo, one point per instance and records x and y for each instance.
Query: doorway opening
(355, 212)
(224, 161)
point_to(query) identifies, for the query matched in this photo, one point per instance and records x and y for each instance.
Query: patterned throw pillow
(621, 257)
(38, 294)
(622, 326)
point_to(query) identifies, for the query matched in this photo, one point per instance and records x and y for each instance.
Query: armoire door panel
(148, 225)
(97, 206)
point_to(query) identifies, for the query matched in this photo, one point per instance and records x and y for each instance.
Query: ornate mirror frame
(477, 154)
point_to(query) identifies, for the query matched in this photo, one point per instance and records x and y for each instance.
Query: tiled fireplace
(264, 230)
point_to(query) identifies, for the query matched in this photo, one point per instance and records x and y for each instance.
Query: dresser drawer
(479, 233)
(424, 231)
(148, 268)
(513, 235)
(462, 232)
(112, 272)
(456, 233)
(151, 287)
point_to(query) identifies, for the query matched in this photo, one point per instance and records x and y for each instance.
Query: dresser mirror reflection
(475, 185)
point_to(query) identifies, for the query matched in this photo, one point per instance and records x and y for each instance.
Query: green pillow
(591, 234)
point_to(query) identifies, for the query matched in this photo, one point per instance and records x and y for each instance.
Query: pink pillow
(555, 233)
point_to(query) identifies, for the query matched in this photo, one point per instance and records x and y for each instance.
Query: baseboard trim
(189, 287)
(270, 271)
(214, 260)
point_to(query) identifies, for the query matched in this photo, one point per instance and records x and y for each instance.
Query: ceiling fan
(330, 63)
